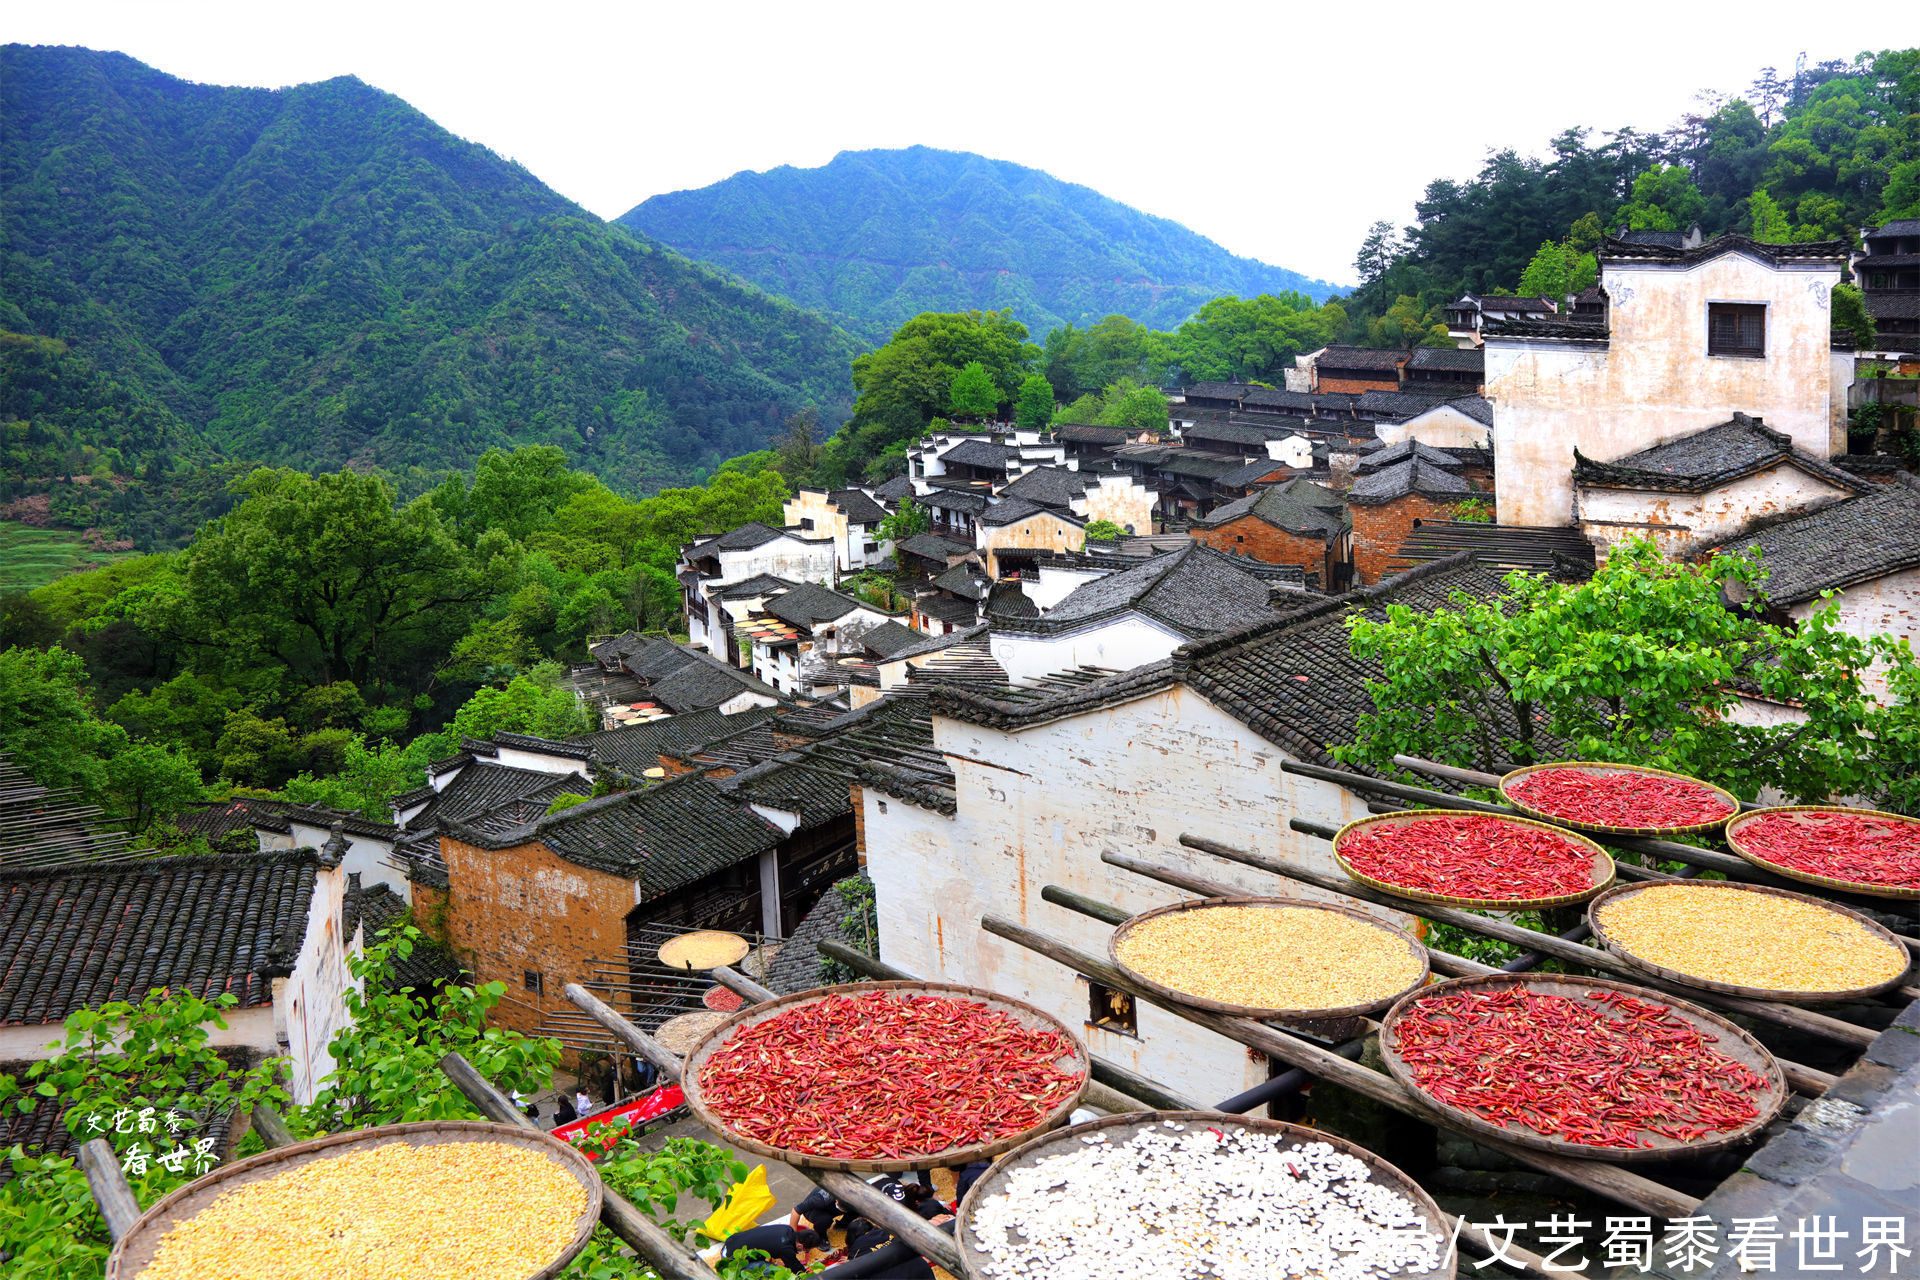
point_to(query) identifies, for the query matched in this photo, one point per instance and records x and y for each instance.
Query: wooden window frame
(1737, 312)
(1112, 1010)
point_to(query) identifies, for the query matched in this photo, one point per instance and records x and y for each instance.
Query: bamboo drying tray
(136, 1249)
(704, 949)
(1602, 876)
(1077, 1062)
(1627, 957)
(1723, 1036)
(1604, 767)
(1413, 946)
(1807, 877)
(993, 1182)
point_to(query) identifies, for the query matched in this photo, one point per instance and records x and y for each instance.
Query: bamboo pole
(625, 1032)
(109, 1187)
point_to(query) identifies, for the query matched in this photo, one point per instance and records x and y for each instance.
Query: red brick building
(1357, 370)
(1391, 490)
(1297, 522)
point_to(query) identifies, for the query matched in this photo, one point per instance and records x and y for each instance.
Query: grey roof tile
(1415, 475)
(1852, 541)
(1297, 505)
(1195, 590)
(1707, 459)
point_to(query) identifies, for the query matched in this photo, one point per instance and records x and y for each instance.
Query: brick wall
(1355, 382)
(1379, 531)
(520, 908)
(1252, 536)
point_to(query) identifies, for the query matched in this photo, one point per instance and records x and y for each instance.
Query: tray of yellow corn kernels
(451, 1200)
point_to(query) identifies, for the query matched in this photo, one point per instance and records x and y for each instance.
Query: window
(1879, 279)
(1735, 329)
(1111, 1010)
(806, 522)
(536, 982)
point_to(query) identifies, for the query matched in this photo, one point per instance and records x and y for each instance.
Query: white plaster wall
(1057, 584)
(1442, 427)
(788, 558)
(1039, 807)
(1884, 606)
(1041, 531)
(1656, 381)
(1121, 499)
(364, 854)
(539, 761)
(1683, 522)
(1122, 643)
(1295, 451)
(746, 700)
(312, 998)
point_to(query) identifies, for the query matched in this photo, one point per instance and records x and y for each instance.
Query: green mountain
(321, 275)
(877, 237)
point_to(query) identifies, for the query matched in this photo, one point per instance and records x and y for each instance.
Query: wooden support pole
(861, 963)
(1063, 897)
(271, 1126)
(741, 985)
(109, 1187)
(673, 1260)
(633, 1037)
(1806, 1020)
(1602, 1179)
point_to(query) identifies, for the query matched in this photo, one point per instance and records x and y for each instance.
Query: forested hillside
(321, 275)
(1813, 156)
(878, 237)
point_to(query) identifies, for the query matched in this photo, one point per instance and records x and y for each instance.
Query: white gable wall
(309, 1005)
(1883, 606)
(365, 855)
(1441, 427)
(1684, 522)
(1039, 807)
(1122, 643)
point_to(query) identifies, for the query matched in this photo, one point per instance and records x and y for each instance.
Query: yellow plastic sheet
(746, 1204)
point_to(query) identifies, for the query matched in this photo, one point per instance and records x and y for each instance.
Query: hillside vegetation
(878, 237)
(321, 275)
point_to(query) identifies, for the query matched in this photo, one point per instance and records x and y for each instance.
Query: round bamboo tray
(1807, 877)
(1724, 1037)
(1626, 955)
(1119, 935)
(683, 1031)
(1603, 868)
(136, 1249)
(1078, 1062)
(993, 1182)
(705, 949)
(1603, 767)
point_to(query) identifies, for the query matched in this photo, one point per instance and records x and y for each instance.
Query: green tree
(906, 520)
(1850, 317)
(1770, 224)
(518, 492)
(1664, 199)
(1033, 407)
(1255, 338)
(1104, 531)
(972, 393)
(1135, 408)
(1558, 272)
(1902, 199)
(1637, 665)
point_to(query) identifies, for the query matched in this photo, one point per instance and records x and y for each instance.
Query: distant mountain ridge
(876, 237)
(321, 275)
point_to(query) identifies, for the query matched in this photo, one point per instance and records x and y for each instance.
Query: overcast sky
(1279, 130)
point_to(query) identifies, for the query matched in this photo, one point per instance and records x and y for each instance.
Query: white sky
(1280, 130)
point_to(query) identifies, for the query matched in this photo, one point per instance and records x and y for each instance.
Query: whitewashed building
(850, 517)
(751, 551)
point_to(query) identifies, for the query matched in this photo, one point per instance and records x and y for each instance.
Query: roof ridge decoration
(1820, 252)
(300, 855)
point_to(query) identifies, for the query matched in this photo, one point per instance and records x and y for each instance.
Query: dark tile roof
(1852, 541)
(1820, 251)
(857, 507)
(1275, 397)
(932, 546)
(1086, 433)
(1401, 404)
(1897, 227)
(1251, 473)
(1505, 303)
(545, 746)
(1049, 486)
(1249, 435)
(1479, 408)
(797, 966)
(1200, 466)
(1649, 235)
(636, 748)
(1196, 590)
(1561, 552)
(933, 644)
(735, 747)
(430, 966)
(663, 837)
(810, 603)
(889, 638)
(970, 501)
(978, 453)
(745, 538)
(657, 657)
(319, 815)
(80, 935)
(1299, 506)
(1889, 305)
(786, 783)
(759, 584)
(1451, 359)
(1707, 459)
(1009, 600)
(225, 818)
(617, 647)
(1013, 510)
(1369, 359)
(484, 785)
(1395, 454)
(958, 613)
(1575, 329)
(1415, 475)
(706, 682)
(966, 580)
(894, 490)
(1218, 390)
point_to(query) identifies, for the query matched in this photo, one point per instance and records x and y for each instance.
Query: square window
(1736, 329)
(1112, 1010)
(536, 982)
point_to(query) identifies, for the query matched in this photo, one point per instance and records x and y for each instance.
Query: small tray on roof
(1626, 955)
(1722, 1036)
(1128, 927)
(1738, 825)
(1076, 1062)
(135, 1251)
(1123, 1127)
(1603, 769)
(1603, 870)
(703, 949)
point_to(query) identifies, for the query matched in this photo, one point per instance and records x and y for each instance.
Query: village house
(1466, 423)
(1297, 522)
(1086, 446)
(850, 517)
(1033, 786)
(801, 622)
(1692, 335)
(1888, 271)
(1473, 311)
(1444, 370)
(1013, 531)
(1357, 370)
(928, 555)
(752, 550)
(680, 678)
(366, 848)
(1108, 494)
(1703, 488)
(956, 600)
(1393, 488)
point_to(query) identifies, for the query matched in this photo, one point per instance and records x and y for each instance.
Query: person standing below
(583, 1104)
(781, 1244)
(563, 1112)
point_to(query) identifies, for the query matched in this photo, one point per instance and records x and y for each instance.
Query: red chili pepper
(1620, 799)
(885, 1075)
(1841, 846)
(1471, 856)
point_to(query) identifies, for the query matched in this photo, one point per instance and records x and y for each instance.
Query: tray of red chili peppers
(1855, 850)
(1581, 1066)
(883, 1077)
(1618, 799)
(1466, 859)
